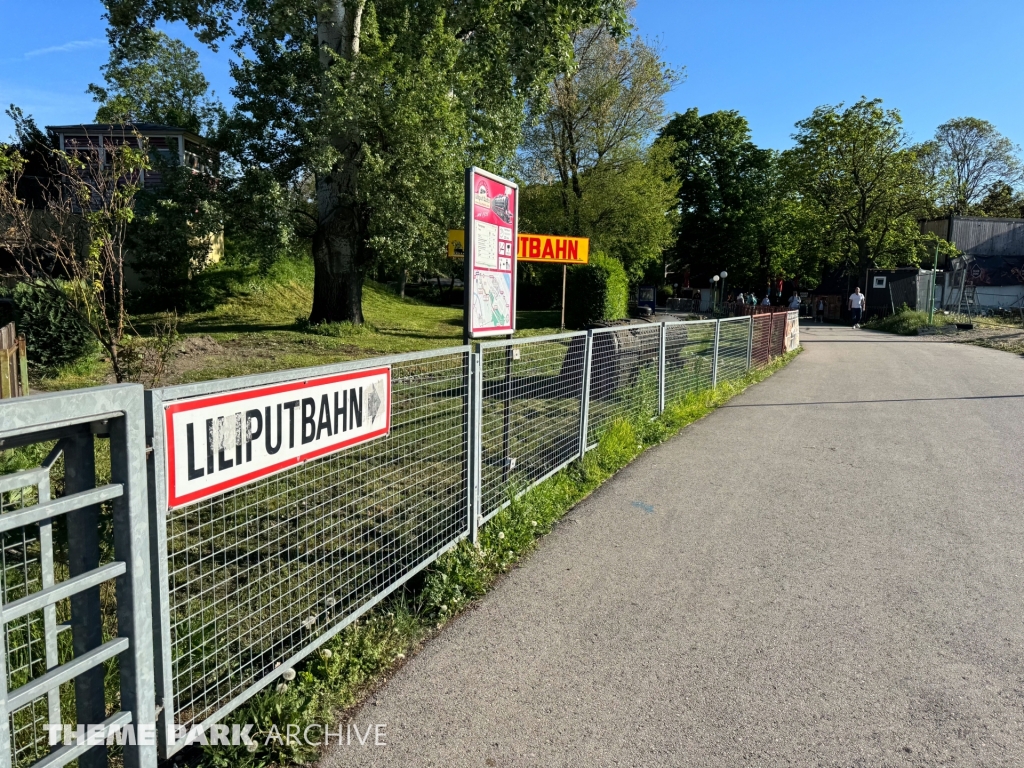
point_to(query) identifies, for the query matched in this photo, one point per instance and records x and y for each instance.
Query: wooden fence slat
(13, 363)
(23, 364)
(5, 374)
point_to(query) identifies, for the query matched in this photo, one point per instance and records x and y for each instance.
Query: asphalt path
(829, 571)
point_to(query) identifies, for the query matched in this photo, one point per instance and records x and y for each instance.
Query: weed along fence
(282, 507)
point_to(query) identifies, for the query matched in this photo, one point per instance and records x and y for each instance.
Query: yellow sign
(553, 249)
(456, 243)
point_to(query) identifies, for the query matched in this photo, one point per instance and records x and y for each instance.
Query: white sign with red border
(216, 443)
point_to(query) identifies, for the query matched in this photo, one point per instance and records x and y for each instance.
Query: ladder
(962, 300)
(967, 300)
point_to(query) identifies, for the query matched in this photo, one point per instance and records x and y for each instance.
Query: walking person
(766, 301)
(820, 315)
(794, 302)
(857, 303)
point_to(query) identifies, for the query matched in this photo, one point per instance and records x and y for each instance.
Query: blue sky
(774, 61)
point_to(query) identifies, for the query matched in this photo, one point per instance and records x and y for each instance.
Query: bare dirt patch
(1006, 338)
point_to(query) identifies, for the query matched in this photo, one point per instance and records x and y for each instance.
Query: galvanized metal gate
(61, 635)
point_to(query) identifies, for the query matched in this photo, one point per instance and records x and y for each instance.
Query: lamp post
(714, 302)
(931, 297)
(723, 276)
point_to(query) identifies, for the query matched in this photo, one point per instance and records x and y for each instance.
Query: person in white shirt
(857, 303)
(794, 303)
(766, 302)
(821, 311)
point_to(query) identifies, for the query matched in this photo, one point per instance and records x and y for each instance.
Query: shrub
(905, 321)
(54, 334)
(596, 291)
(172, 237)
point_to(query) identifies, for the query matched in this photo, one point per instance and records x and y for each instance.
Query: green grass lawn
(258, 324)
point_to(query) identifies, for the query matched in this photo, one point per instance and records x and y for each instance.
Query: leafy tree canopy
(859, 179)
(381, 103)
(588, 155)
(1001, 201)
(968, 162)
(736, 210)
(153, 78)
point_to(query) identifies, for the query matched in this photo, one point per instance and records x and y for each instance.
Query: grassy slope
(258, 325)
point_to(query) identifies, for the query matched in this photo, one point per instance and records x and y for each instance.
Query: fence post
(47, 578)
(23, 363)
(134, 589)
(5, 375)
(83, 527)
(661, 369)
(714, 357)
(750, 341)
(475, 424)
(506, 414)
(771, 330)
(588, 357)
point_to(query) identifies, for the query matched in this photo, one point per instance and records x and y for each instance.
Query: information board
(492, 228)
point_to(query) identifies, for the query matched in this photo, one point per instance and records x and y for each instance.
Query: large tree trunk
(863, 255)
(339, 248)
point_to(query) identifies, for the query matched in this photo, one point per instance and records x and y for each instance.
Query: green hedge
(53, 333)
(597, 291)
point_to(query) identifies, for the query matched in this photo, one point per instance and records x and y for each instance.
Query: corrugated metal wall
(989, 237)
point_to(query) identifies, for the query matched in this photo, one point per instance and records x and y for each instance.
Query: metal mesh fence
(32, 644)
(257, 575)
(532, 398)
(733, 337)
(689, 348)
(24, 640)
(760, 352)
(623, 376)
(778, 334)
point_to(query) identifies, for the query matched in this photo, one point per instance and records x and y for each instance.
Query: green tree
(588, 156)
(382, 103)
(736, 211)
(860, 181)
(967, 161)
(172, 234)
(76, 251)
(1001, 201)
(722, 176)
(153, 78)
